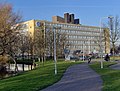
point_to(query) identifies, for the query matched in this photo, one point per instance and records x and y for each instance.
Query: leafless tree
(99, 40)
(9, 31)
(24, 44)
(39, 46)
(49, 42)
(61, 42)
(114, 27)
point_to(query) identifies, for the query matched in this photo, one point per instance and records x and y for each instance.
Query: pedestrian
(107, 58)
(89, 59)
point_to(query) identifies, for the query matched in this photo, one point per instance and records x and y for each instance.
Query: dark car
(74, 58)
(83, 58)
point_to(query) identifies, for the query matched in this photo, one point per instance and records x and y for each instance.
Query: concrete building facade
(79, 37)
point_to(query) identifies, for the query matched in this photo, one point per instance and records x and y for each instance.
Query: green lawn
(115, 58)
(36, 79)
(111, 78)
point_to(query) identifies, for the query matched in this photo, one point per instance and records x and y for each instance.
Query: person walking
(89, 58)
(107, 58)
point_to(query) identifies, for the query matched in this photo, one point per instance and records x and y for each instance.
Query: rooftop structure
(68, 18)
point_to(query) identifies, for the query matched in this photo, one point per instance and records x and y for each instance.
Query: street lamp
(89, 46)
(83, 50)
(109, 17)
(55, 61)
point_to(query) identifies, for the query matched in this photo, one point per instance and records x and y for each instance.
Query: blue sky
(88, 11)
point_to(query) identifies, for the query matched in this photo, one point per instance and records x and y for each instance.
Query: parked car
(74, 58)
(83, 58)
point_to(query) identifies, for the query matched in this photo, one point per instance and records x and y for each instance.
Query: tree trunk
(113, 44)
(42, 61)
(39, 59)
(16, 67)
(44, 57)
(23, 66)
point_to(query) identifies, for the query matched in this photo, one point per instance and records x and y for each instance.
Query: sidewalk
(78, 78)
(116, 66)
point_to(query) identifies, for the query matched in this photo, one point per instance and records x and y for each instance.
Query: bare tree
(114, 26)
(100, 40)
(61, 42)
(39, 45)
(9, 31)
(49, 42)
(24, 44)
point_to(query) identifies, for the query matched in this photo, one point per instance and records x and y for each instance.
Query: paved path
(78, 78)
(115, 66)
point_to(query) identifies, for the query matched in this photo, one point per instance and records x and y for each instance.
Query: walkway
(116, 66)
(78, 78)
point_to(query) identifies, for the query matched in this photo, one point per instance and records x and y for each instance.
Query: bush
(25, 61)
(3, 71)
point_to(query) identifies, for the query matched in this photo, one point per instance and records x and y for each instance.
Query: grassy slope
(36, 79)
(111, 78)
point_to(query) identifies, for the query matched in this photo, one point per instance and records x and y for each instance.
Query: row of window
(82, 37)
(74, 27)
(83, 42)
(79, 32)
(85, 47)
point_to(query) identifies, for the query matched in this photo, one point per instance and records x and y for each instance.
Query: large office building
(89, 39)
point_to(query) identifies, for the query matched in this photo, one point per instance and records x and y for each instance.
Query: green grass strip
(36, 79)
(111, 78)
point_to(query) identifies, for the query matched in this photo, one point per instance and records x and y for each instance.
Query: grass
(115, 58)
(36, 79)
(111, 78)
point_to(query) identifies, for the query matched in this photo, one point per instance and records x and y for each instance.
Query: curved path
(78, 78)
(115, 66)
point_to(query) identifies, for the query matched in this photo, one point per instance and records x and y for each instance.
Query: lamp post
(83, 52)
(89, 44)
(109, 17)
(55, 61)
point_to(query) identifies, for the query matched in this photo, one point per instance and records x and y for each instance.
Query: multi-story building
(89, 39)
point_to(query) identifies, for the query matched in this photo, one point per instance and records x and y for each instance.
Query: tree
(99, 41)
(9, 31)
(114, 26)
(102, 41)
(49, 42)
(39, 45)
(61, 43)
(118, 49)
(24, 44)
